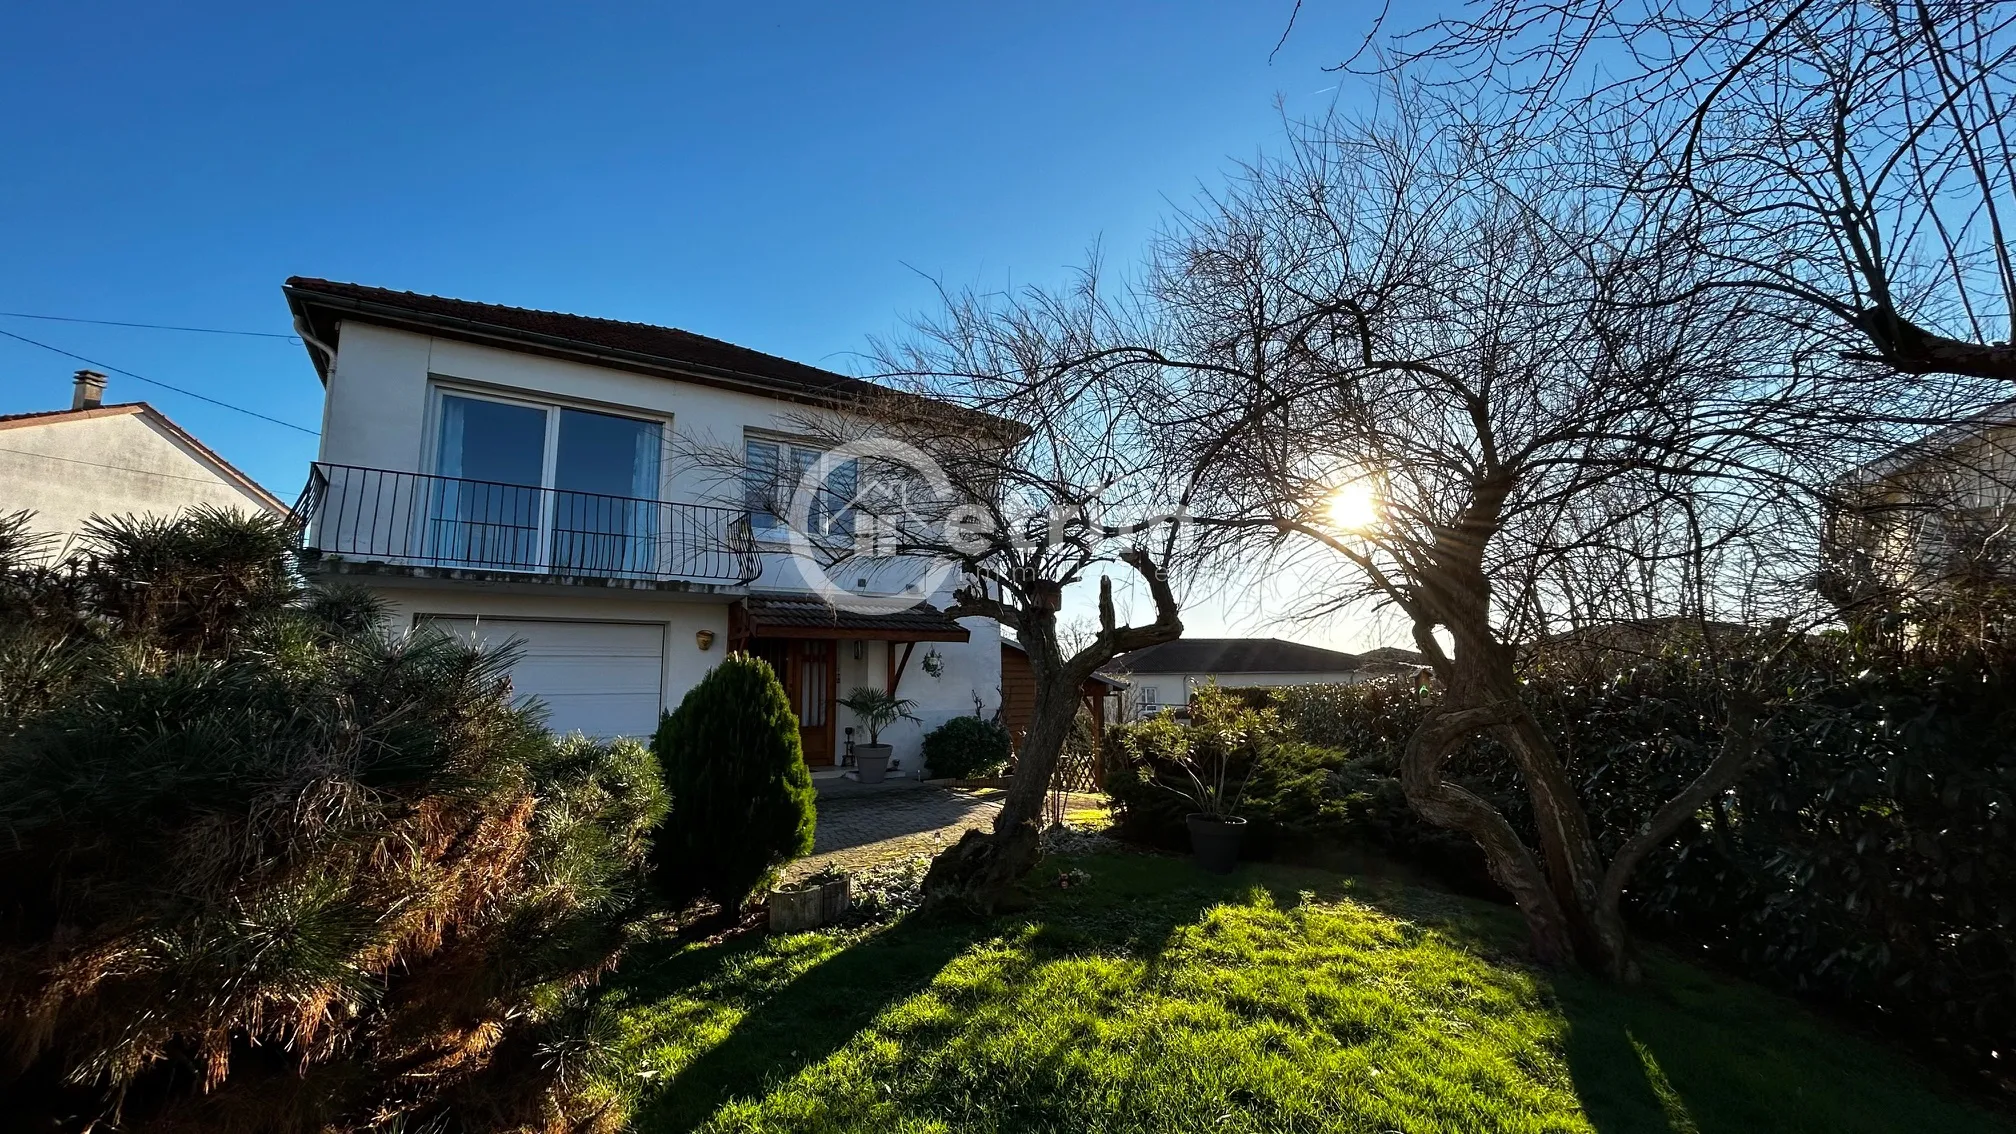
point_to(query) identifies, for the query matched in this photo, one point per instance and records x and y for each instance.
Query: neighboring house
(93, 459)
(505, 473)
(1164, 676)
(1932, 516)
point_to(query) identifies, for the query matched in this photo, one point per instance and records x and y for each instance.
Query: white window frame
(787, 447)
(430, 458)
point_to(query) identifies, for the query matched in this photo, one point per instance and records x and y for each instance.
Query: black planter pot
(1214, 843)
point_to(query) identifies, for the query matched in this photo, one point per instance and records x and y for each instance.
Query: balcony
(414, 523)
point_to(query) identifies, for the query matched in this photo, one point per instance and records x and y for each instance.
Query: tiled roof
(122, 409)
(1393, 655)
(117, 409)
(779, 615)
(1235, 655)
(323, 304)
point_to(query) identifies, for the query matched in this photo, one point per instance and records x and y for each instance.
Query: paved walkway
(857, 831)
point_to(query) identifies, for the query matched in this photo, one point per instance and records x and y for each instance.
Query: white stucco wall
(971, 669)
(965, 672)
(67, 470)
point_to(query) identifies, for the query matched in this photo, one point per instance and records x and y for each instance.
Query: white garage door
(600, 678)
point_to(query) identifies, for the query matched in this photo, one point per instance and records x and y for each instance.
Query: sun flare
(1355, 507)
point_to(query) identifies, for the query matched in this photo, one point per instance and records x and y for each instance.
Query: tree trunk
(981, 869)
(1453, 808)
(1602, 943)
(976, 874)
(1572, 921)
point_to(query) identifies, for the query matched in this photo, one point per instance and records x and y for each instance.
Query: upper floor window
(772, 475)
(542, 486)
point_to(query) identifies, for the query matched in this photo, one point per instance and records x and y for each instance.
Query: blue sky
(775, 175)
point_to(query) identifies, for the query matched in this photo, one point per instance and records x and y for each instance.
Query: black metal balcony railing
(414, 519)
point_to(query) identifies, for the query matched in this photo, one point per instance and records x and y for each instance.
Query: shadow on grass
(797, 1024)
(1688, 1052)
(1692, 1052)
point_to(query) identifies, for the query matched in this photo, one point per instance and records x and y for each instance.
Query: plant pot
(1214, 842)
(835, 899)
(796, 909)
(871, 762)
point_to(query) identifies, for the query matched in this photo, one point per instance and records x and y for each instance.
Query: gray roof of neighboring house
(322, 305)
(1236, 655)
(1393, 655)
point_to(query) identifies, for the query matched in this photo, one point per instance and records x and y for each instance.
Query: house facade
(1931, 518)
(506, 474)
(1165, 676)
(94, 459)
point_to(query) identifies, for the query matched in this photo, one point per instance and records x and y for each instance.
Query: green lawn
(1154, 998)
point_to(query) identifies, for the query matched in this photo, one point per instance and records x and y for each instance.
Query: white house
(516, 474)
(1164, 676)
(93, 459)
(1929, 519)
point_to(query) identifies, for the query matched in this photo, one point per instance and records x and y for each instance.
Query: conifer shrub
(966, 748)
(742, 798)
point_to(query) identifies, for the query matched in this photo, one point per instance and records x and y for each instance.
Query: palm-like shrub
(262, 868)
(192, 582)
(877, 709)
(742, 799)
(968, 747)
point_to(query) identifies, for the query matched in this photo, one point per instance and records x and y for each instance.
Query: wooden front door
(807, 668)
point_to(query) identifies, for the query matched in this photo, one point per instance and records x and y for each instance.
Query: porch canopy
(797, 616)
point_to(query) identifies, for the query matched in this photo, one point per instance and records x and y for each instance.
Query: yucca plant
(264, 868)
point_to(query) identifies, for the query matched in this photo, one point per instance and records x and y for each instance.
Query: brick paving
(864, 828)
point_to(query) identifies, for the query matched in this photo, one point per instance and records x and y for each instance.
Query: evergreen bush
(742, 798)
(1288, 801)
(968, 748)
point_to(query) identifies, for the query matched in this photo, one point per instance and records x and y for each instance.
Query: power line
(115, 468)
(163, 385)
(149, 326)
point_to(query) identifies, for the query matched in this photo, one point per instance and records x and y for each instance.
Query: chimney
(90, 390)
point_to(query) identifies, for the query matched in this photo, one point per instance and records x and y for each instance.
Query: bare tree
(1848, 160)
(1424, 347)
(1059, 489)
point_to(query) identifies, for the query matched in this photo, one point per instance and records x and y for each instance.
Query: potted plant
(796, 907)
(821, 899)
(877, 709)
(1216, 829)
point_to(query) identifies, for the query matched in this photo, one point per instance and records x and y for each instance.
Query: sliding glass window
(541, 488)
